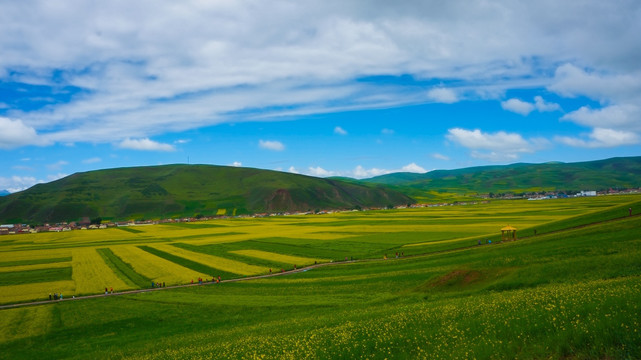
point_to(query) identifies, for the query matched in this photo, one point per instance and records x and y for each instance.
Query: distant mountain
(186, 190)
(4, 192)
(518, 178)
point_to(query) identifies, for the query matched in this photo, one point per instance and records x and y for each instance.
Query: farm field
(571, 291)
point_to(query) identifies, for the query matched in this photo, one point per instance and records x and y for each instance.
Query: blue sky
(324, 88)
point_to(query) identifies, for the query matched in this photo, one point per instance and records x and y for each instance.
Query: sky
(322, 88)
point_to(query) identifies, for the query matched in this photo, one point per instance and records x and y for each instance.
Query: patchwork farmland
(567, 288)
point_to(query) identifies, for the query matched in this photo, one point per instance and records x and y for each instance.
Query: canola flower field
(571, 291)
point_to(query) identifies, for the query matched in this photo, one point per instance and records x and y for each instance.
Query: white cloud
(142, 75)
(497, 146)
(517, 106)
(293, 170)
(17, 183)
(543, 106)
(182, 141)
(92, 160)
(145, 144)
(602, 138)
(387, 132)
(413, 168)
(14, 133)
(57, 165)
(359, 172)
(271, 145)
(237, 164)
(615, 116)
(320, 172)
(443, 95)
(440, 157)
(340, 131)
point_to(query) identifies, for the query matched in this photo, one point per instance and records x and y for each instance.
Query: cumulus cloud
(236, 164)
(14, 133)
(602, 138)
(517, 106)
(271, 145)
(525, 108)
(17, 183)
(443, 95)
(614, 116)
(359, 172)
(497, 146)
(544, 106)
(145, 145)
(340, 131)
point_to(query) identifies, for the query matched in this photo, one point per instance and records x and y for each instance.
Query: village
(95, 224)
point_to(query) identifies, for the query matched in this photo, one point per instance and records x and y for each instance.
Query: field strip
(35, 267)
(270, 256)
(154, 267)
(91, 274)
(36, 254)
(24, 292)
(300, 270)
(232, 266)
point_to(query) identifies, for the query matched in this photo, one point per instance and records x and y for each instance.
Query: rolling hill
(520, 178)
(186, 190)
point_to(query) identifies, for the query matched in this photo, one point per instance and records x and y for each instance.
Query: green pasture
(569, 292)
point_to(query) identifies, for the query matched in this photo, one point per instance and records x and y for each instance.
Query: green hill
(520, 178)
(186, 190)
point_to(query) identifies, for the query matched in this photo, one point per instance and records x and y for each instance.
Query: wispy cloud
(340, 131)
(142, 76)
(145, 145)
(92, 160)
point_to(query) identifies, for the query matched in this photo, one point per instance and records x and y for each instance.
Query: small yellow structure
(508, 233)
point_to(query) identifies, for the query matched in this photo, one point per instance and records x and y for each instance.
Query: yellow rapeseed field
(36, 291)
(154, 267)
(232, 266)
(91, 275)
(20, 255)
(287, 259)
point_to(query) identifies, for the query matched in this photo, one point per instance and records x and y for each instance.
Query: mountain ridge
(187, 190)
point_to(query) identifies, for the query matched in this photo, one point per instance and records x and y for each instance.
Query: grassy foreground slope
(561, 294)
(186, 190)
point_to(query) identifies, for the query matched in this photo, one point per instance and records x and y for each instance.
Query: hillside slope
(186, 190)
(516, 178)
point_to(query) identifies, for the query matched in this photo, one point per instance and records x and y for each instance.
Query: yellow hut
(508, 233)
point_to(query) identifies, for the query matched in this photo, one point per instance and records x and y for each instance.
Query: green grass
(568, 293)
(34, 261)
(35, 276)
(124, 270)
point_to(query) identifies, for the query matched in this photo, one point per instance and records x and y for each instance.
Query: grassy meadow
(571, 291)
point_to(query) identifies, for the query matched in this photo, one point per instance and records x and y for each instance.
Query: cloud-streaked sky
(349, 88)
